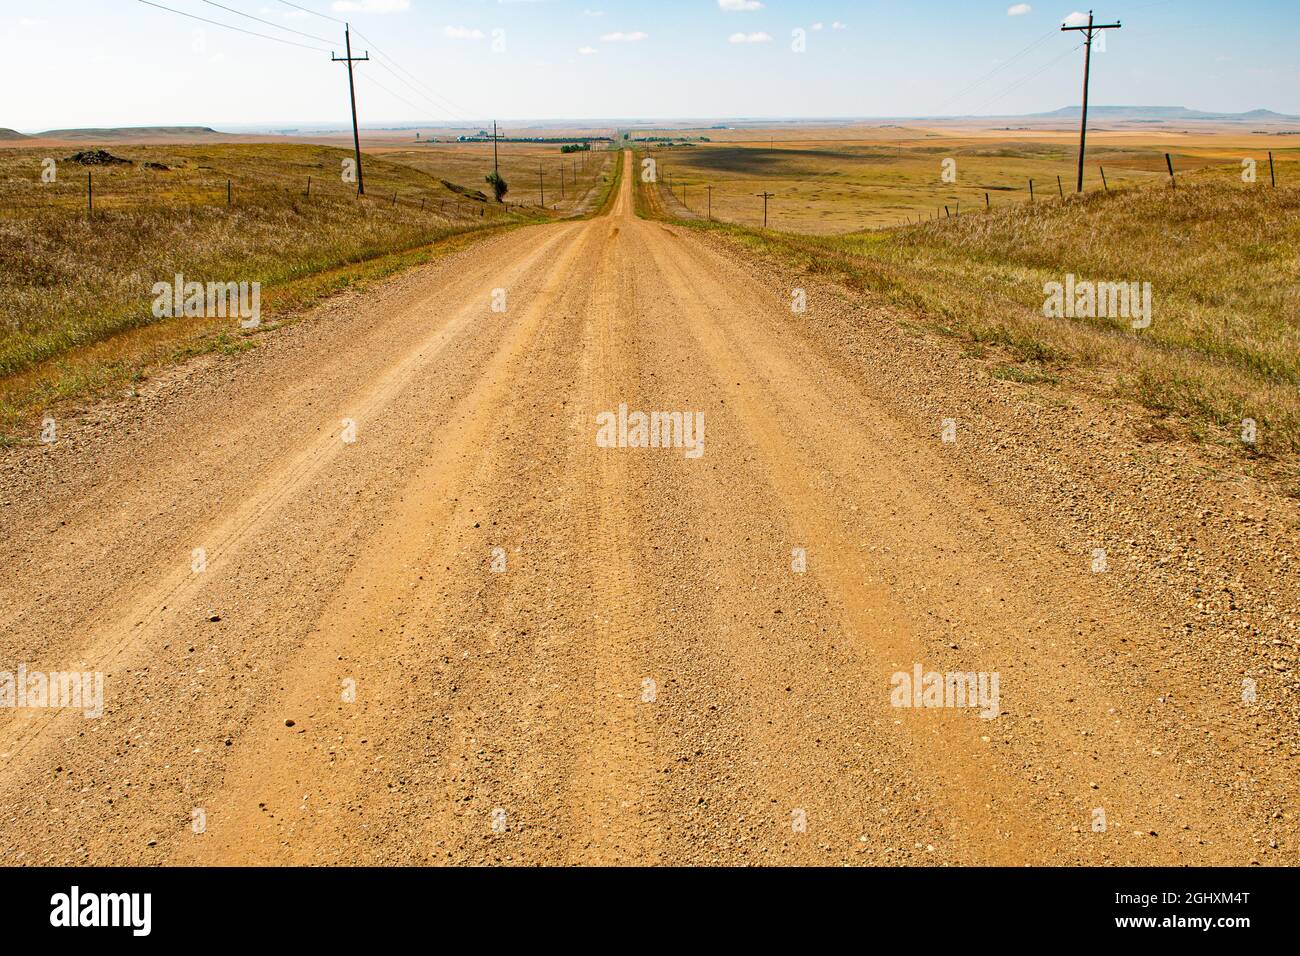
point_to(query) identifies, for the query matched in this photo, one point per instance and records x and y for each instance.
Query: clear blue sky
(119, 62)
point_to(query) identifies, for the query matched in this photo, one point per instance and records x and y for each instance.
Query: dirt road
(434, 621)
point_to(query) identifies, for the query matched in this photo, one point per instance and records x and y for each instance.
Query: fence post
(90, 196)
(228, 193)
(988, 203)
(1272, 175)
(308, 187)
(1060, 187)
(1104, 184)
(1031, 190)
(1169, 161)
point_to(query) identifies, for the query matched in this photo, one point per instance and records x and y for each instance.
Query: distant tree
(499, 187)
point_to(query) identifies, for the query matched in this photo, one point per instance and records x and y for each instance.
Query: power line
(1021, 82)
(437, 106)
(443, 103)
(999, 68)
(217, 23)
(397, 96)
(323, 16)
(269, 23)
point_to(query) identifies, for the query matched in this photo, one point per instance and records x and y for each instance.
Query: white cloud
(819, 26)
(593, 13)
(1019, 10)
(1077, 19)
(749, 38)
(587, 50)
(620, 37)
(737, 6)
(371, 6)
(462, 33)
(837, 25)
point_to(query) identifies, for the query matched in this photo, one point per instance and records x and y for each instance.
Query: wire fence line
(77, 196)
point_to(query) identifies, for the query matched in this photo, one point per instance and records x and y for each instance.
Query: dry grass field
(78, 289)
(1222, 257)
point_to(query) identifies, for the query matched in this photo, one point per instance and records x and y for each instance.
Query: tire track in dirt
(376, 594)
(1003, 812)
(144, 612)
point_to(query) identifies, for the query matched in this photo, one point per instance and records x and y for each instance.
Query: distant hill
(1163, 113)
(128, 133)
(10, 134)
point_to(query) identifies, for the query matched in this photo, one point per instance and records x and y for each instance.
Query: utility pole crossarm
(1090, 32)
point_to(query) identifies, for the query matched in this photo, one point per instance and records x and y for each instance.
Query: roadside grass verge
(608, 194)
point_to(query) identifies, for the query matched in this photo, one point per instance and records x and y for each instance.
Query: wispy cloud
(737, 6)
(620, 37)
(1019, 10)
(587, 50)
(750, 38)
(462, 33)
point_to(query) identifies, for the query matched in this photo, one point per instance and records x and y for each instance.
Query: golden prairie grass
(77, 290)
(1223, 259)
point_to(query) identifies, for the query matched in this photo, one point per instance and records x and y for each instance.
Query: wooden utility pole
(710, 189)
(1090, 31)
(541, 184)
(352, 93)
(496, 169)
(766, 197)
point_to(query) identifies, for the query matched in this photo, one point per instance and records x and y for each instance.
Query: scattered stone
(97, 157)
